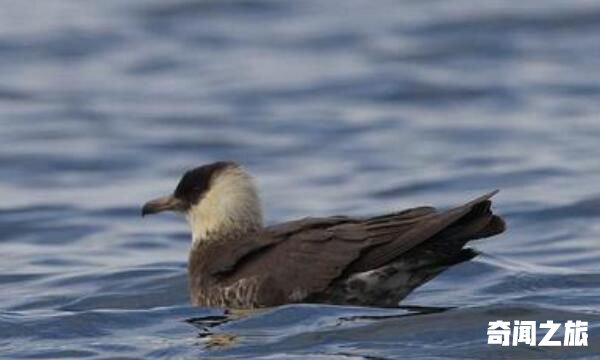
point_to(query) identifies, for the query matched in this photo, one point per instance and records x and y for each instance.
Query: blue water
(352, 107)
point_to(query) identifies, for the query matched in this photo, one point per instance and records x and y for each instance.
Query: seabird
(236, 262)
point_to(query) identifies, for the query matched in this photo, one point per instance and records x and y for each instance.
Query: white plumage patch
(231, 205)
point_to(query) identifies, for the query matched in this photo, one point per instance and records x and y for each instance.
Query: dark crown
(196, 182)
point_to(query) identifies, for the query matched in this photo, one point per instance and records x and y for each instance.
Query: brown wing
(227, 257)
(301, 258)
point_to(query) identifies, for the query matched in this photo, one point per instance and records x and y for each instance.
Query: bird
(236, 262)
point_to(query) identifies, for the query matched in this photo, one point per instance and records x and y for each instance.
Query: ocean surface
(338, 107)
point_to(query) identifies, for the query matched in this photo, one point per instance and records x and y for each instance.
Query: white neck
(231, 207)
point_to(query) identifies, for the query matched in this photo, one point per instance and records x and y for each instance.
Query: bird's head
(218, 199)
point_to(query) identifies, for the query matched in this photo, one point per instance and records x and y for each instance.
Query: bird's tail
(478, 223)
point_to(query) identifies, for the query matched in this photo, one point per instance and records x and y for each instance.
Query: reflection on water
(350, 108)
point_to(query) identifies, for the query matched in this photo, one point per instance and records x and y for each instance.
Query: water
(350, 107)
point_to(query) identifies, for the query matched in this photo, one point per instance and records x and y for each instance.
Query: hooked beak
(164, 203)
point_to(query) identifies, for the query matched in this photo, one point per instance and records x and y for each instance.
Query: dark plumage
(236, 262)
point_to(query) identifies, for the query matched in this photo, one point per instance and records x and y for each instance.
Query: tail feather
(478, 223)
(495, 226)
